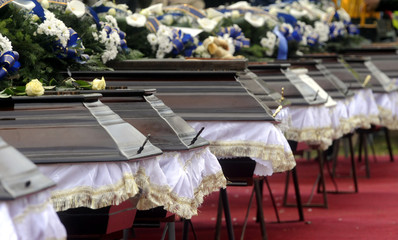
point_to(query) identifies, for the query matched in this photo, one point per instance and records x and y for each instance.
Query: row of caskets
(150, 104)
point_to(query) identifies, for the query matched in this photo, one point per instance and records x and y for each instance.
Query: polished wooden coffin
(329, 82)
(149, 115)
(339, 68)
(202, 90)
(369, 74)
(18, 175)
(70, 128)
(278, 75)
(385, 58)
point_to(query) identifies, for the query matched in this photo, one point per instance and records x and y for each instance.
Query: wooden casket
(195, 90)
(75, 129)
(278, 75)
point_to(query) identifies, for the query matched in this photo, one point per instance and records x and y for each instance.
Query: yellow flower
(34, 88)
(112, 11)
(98, 84)
(45, 4)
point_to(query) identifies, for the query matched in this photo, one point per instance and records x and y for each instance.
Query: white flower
(76, 7)
(136, 20)
(108, 55)
(110, 40)
(212, 13)
(111, 21)
(185, 20)
(201, 51)
(167, 19)
(269, 43)
(34, 88)
(344, 16)
(5, 44)
(156, 9)
(240, 4)
(164, 31)
(207, 24)
(152, 39)
(54, 27)
(322, 29)
(45, 4)
(98, 84)
(166, 46)
(160, 54)
(297, 13)
(254, 20)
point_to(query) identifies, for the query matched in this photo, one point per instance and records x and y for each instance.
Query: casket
(69, 129)
(339, 68)
(385, 58)
(150, 116)
(195, 90)
(369, 74)
(277, 76)
(336, 88)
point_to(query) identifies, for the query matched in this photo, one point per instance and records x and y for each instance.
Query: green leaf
(83, 84)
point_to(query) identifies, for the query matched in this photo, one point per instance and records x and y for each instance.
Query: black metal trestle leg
(299, 203)
(320, 182)
(353, 165)
(322, 177)
(224, 204)
(185, 230)
(259, 200)
(387, 136)
(298, 195)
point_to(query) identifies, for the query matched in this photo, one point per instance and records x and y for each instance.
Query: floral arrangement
(74, 36)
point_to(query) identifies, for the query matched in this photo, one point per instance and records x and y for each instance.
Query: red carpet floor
(370, 214)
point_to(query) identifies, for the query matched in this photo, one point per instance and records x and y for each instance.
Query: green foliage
(13, 91)
(253, 52)
(347, 41)
(136, 38)
(36, 52)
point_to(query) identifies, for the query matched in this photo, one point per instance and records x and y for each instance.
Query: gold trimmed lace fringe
(155, 195)
(312, 136)
(281, 161)
(95, 198)
(387, 119)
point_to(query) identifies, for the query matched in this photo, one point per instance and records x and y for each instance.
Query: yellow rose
(112, 12)
(45, 4)
(34, 88)
(98, 84)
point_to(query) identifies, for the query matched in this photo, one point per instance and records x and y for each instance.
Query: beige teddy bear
(218, 48)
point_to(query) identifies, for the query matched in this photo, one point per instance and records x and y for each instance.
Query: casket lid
(18, 175)
(181, 64)
(200, 95)
(57, 129)
(295, 90)
(369, 51)
(150, 115)
(329, 82)
(367, 73)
